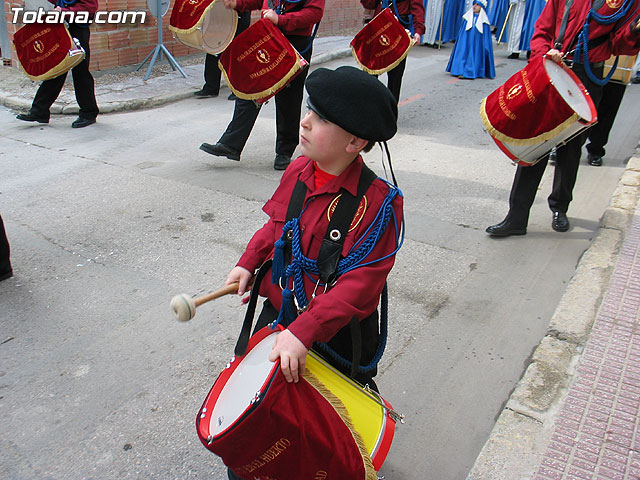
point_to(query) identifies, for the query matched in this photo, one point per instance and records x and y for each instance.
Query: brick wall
(128, 44)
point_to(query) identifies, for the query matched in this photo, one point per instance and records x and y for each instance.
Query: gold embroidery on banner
(38, 46)
(267, 456)
(320, 475)
(384, 40)
(378, 33)
(35, 36)
(253, 47)
(391, 48)
(268, 69)
(46, 55)
(263, 56)
(503, 104)
(527, 87)
(615, 4)
(514, 91)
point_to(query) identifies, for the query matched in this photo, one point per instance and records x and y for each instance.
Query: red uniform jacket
(357, 292)
(405, 7)
(293, 20)
(90, 6)
(622, 40)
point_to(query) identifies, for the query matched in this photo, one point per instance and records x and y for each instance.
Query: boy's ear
(356, 144)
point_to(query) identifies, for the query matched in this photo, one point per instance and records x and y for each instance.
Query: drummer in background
(83, 84)
(410, 13)
(212, 73)
(620, 37)
(296, 20)
(5, 261)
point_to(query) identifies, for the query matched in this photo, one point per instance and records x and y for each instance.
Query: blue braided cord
(582, 48)
(382, 343)
(300, 264)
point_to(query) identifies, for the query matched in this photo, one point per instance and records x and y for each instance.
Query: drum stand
(159, 49)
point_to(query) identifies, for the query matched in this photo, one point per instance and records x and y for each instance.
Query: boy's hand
(270, 15)
(555, 55)
(292, 353)
(242, 276)
(231, 4)
(416, 38)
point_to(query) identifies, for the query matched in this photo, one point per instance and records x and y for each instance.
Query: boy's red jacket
(293, 20)
(357, 292)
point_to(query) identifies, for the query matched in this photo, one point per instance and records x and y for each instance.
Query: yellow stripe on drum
(367, 414)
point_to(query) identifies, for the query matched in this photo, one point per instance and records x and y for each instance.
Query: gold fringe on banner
(382, 70)
(543, 137)
(338, 406)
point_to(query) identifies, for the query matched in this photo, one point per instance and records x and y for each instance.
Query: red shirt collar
(348, 179)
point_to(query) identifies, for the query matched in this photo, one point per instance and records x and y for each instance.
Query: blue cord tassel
(288, 309)
(277, 267)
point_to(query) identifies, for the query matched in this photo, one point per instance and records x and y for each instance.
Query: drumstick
(504, 25)
(184, 307)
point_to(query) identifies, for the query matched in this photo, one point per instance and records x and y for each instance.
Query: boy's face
(321, 140)
(476, 8)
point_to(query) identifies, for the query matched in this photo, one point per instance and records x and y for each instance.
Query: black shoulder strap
(563, 26)
(341, 220)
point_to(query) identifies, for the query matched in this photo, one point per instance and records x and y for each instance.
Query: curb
(523, 430)
(9, 100)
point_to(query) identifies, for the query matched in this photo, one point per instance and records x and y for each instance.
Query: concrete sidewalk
(575, 414)
(125, 89)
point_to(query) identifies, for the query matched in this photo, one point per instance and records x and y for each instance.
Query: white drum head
(568, 89)
(242, 386)
(218, 28)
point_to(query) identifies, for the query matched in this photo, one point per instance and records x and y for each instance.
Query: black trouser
(212, 72)
(527, 179)
(5, 263)
(341, 343)
(288, 110)
(394, 79)
(82, 83)
(612, 94)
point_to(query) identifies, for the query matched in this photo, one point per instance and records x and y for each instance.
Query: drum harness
(280, 11)
(582, 42)
(289, 262)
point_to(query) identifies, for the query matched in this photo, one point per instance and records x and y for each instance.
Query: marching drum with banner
(46, 50)
(381, 44)
(624, 70)
(541, 106)
(260, 62)
(203, 24)
(263, 427)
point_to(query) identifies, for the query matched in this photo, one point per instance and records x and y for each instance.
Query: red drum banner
(381, 44)
(46, 50)
(260, 62)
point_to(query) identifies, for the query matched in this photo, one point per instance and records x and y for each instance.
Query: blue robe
(451, 18)
(532, 10)
(472, 55)
(497, 16)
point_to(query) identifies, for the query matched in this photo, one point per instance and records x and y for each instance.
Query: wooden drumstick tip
(183, 307)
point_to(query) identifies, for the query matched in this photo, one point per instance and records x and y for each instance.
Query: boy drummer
(349, 110)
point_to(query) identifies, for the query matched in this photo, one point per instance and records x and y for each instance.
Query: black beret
(355, 101)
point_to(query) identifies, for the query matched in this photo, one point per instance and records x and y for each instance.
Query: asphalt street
(107, 223)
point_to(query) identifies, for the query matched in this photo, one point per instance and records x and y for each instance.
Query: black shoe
(5, 275)
(281, 162)
(232, 96)
(506, 228)
(29, 117)
(636, 79)
(594, 160)
(220, 150)
(83, 122)
(205, 94)
(560, 222)
(514, 56)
